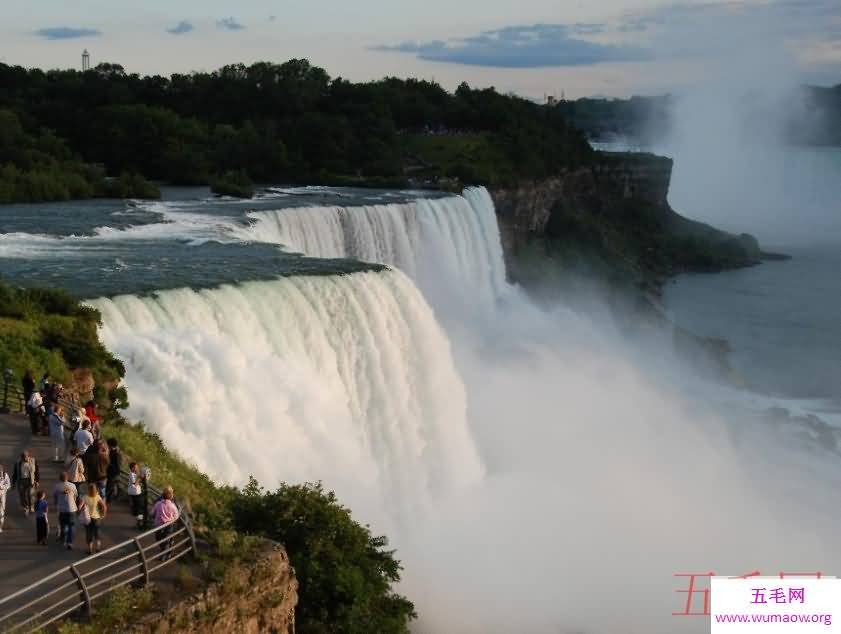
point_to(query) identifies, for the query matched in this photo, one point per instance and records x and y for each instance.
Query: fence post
(189, 526)
(143, 561)
(86, 597)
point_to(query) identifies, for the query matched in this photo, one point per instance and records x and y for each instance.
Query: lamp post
(8, 375)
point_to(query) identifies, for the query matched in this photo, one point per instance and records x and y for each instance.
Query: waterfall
(303, 378)
(449, 244)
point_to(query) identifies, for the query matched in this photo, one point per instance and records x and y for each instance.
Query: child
(135, 494)
(42, 523)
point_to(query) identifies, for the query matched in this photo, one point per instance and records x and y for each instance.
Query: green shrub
(233, 183)
(345, 573)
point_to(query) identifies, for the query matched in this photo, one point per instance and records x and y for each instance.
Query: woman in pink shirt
(164, 513)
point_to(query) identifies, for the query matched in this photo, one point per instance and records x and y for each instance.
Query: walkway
(22, 561)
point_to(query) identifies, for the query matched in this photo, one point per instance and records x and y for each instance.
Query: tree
(344, 573)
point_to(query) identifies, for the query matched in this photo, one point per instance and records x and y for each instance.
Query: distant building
(551, 101)
(86, 60)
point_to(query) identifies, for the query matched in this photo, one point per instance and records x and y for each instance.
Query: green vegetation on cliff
(49, 331)
(289, 123)
(345, 573)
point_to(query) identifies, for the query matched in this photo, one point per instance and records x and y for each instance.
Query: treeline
(285, 123)
(645, 119)
(36, 165)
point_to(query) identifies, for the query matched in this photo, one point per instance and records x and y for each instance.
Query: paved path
(22, 561)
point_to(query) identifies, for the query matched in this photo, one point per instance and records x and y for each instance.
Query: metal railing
(74, 588)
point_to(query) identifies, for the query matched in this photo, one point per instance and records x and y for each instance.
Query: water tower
(86, 60)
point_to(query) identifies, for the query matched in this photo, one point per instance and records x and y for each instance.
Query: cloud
(181, 28)
(66, 33)
(535, 46)
(229, 24)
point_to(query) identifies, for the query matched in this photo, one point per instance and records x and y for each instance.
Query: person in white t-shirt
(83, 438)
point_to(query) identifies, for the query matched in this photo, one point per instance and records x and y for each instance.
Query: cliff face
(525, 211)
(253, 599)
(615, 212)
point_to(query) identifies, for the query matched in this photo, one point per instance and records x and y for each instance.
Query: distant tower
(86, 60)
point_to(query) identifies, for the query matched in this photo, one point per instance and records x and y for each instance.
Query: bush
(131, 185)
(233, 183)
(345, 573)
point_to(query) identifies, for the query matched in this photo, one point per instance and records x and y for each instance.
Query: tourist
(42, 522)
(135, 494)
(101, 461)
(83, 438)
(57, 434)
(164, 513)
(35, 409)
(25, 477)
(90, 412)
(66, 501)
(93, 512)
(5, 485)
(76, 471)
(115, 463)
(28, 383)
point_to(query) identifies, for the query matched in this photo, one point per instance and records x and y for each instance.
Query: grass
(119, 611)
(206, 502)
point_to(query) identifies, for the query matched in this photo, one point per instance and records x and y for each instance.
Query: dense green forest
(273, 123)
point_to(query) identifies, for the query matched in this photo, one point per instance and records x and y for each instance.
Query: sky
(530, 47)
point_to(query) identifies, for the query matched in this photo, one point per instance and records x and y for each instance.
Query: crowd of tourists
(90, 478)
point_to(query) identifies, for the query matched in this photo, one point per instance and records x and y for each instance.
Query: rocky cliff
(253, 598)
(615, 214)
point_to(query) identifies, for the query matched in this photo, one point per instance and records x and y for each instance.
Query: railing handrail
(77, 580)
(81, 580)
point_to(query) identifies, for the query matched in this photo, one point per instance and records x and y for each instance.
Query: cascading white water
(443, 243)
(602, 480)
(303, 378)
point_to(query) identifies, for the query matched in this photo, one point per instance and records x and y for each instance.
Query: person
(5, 485)
(115, 463)
(35, 408)
(83, 438)
(164, 513)
(25, 477)
(90, 412)
(135, 493)
(95, 508)
(101, 462)
(28, 384)
(76, 471)
(66, 501)
(57, 434)
(45, 380)
(42, 522)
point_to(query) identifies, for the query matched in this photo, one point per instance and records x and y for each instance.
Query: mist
(734, 125)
